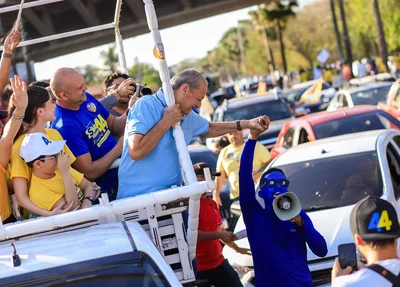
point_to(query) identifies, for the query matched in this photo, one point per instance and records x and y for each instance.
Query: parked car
(200, 153)
(217, 98)
(251, 107)
(368, 94)
(392, 105)
(382, 77)
(329, 176)
(329, 124)
(114, 254)
(293, 96)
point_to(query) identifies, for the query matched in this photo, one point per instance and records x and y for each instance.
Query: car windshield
(354, 124)
(294, 94)
(276, 110)
(355, 177)
(370, 97)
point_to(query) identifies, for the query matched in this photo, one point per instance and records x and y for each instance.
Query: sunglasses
(273, 182)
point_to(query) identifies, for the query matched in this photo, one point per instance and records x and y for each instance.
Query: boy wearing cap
(375, 228)
(53, 181)
(211, 264)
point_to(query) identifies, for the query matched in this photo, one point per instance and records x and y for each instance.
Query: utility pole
(383, 50)
(335, 26)
(346, 37)
(267, 47)
(242, 51)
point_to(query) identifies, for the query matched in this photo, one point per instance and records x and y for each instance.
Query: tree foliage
(305, 35)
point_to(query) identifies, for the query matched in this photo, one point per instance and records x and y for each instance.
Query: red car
(329, 124)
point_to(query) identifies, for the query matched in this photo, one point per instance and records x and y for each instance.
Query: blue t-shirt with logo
(160, 169)
(86, 131)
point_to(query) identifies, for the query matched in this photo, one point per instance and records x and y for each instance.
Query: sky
(190, 40)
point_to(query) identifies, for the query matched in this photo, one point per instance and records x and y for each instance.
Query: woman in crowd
(19, 100)
(39, 112)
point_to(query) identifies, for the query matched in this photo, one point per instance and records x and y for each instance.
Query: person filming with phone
(375, 229)
(277, 229)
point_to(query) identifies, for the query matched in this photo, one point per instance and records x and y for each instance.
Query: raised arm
(314, 239)
(246, 183)
(20, 100)
(223, 128)
(10, 44)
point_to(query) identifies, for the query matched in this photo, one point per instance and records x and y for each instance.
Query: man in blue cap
(278, 247)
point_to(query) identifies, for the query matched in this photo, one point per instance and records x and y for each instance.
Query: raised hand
(12, 41)
(20, 95)
(258, 126)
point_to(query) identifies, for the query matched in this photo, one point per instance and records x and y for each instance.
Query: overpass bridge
(71, 15)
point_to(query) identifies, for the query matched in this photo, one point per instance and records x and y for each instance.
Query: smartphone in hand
(347, 255)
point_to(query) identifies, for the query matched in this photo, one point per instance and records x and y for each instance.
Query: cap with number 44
(374, 219)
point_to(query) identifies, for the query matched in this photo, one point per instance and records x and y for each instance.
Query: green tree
(93, 75)
(311, 31)
(145, 74)
(264, 29)
(110, 58)
(279, 12)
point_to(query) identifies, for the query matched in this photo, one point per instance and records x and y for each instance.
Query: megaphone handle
(298, 220)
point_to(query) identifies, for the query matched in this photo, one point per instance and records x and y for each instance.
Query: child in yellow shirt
(53, 181)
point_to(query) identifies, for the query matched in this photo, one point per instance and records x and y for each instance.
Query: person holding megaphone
(277, 228)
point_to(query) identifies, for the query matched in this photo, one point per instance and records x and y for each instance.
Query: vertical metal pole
(118, 39)
(189, 176)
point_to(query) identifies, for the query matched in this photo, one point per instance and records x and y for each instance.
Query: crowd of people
(59, 148)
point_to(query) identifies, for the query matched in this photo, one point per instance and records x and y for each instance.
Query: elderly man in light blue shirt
(150, 159)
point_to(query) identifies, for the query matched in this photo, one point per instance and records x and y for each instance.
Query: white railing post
(118, 39)
(188, 174)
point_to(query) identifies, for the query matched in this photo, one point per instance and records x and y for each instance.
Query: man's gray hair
(192, 77)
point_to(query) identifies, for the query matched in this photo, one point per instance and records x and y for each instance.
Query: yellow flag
(206, 109)
(313, 93)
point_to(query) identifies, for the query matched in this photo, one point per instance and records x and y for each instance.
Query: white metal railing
(188, 174)
(115, 25)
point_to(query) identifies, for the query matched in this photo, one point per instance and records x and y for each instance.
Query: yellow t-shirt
(19, 168)
(46, 192)
(229, 162)
(5, 208)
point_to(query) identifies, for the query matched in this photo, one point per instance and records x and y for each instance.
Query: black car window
(344, 101)
(356, 176)
(288, 138)
(275, 109)
(303, 136)
(394, 167)
(357, 123)
(143, 272)
(370, 97)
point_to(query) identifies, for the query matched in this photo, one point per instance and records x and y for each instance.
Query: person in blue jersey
(278, 247)
(149, 147)
(88, 127)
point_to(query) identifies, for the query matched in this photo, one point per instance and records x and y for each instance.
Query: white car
(117, 254)
(329, 176)
(368, 94)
